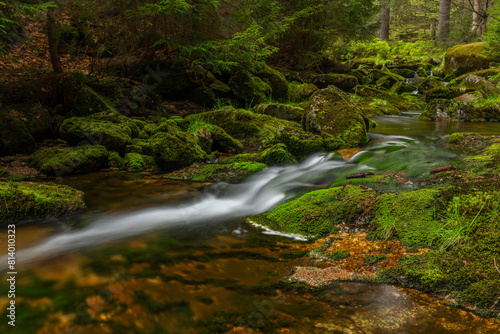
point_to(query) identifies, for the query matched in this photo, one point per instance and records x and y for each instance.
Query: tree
(384, 17)
(444, 19)
(479, 16)
(52, 39)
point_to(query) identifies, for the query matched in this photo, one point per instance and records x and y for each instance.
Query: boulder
(33, 200)
(274, 79)
(114, 132)
(56, 161)
(331, 112)
(138, 162)
(343, 81)
(282, 111)
(444, 93)
(203, 96)
(464, 58)
(14, 136)
(176, 150)
(37, 119)
(301, 91)
(249, 88)
(472, 82)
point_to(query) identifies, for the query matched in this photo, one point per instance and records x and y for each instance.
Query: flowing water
(155, 256)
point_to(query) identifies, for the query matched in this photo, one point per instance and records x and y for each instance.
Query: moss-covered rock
(276, 80)
(222, 142)
(277, 155)
(299, 143)
(403, 87)
(317, 213)
(138, 162)
(176, 150)
(37, 119)
(437, 110)
(281, 111)
(30, 200)
(343, 81)
(234, 172)
(220, 89)
(331, 113)
(444, 93)
(70, 160)
(249, 88)
(14, 136)
(464, 58)
(109, 130)
(475, 83)
(426, 84)
(388, 81)
(301, 91)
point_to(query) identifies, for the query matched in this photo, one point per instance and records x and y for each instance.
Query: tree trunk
(444, 19)
(52, 39)
(433, 29)
(385, 18)
(479, 16)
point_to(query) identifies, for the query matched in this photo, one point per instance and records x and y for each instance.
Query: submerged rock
(30, 200)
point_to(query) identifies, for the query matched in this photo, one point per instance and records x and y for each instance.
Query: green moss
(176, 150)
(232, 173)
(343, 81)
(71, 160)
(374, 259)
(246, 157)
(457, 137)
(276, 80)
(28, 200)
(100, 129)
(316, 213)
(116, 161)
(277, 155)
(249, 88)
(338, 255)
(466, 58)
(301, 91)
(411, 216)
(138, 162)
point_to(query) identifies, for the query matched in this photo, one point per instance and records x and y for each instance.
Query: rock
(277, 155)
(476, 83)
(342, 81)
(330, 112)
(444, 93)
(248, 88)
(281, 111)
(220, 89)
(274, 79)
(437, 110)
(203, 96)
(112, 131)
(176, 150)
(403, 87)
(33, 200)
(14, 136)
(464, 58)
(56, 161)
(426, 84)
(138, 162)
(388, 81)
(301, 91)
(223, 142)
(37, 119)
(442, 169)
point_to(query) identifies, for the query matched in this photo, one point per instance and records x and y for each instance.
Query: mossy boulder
(301, 91)
(14, 136)
(276, 80)
(447, 93)
(317, 213)
(30, 200)
(56, 161)
(388, 81)
(176, 150)
(277, 155)
(426, 84)
(300, 144)
(343, 81)
(475, 83)
(249, 88)
(281, 111)
(110, 131)
(37, 119)
(138, 162)
(234, 172)
(464, 58)
(220, 89)
(331, 113)
(437, 110)
(403, 87)
(222, 142)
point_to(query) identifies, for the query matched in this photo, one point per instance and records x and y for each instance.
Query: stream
(158, 256)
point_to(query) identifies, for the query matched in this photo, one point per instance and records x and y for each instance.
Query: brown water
(210, 277)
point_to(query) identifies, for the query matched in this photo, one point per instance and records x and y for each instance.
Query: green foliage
(492, 35)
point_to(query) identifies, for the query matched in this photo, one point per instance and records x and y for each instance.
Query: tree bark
(52, 39)
(385, 18)
(433, 29)
(479, 16)
(444, 19)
